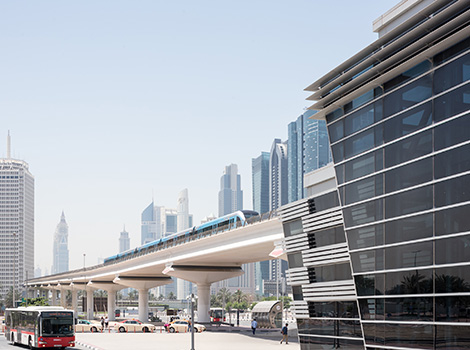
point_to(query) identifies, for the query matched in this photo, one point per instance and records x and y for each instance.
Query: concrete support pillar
(111, 305)
(63, 295)
(53, 297)
(142, 284)
(143, 305)
(203, 302)
(89, 304)
(75, 301)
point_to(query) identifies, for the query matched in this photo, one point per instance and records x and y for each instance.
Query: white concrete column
(203, 302)
(63, 301)
(75, 301)
(112, 305)
(143, 305)
(89, 304)
(53, 297)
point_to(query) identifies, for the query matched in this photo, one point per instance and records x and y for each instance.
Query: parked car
(133, 326)
(181, 326)
(87, 326)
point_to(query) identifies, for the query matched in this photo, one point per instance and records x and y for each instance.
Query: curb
(92, 347)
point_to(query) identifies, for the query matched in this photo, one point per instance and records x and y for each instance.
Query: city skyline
(90, 123)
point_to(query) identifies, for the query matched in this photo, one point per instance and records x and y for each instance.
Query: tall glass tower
(308, 149)
(230, 194)
(260, 182)
(278, 178)
(61, 247)
(16, 223)
(148, 224)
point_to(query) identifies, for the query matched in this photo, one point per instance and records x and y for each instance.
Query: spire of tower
(8, 145)
(62, 217)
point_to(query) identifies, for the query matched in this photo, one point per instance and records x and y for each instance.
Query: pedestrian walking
(102, 323)
(254, 324)
(284, 334)
(106, 322)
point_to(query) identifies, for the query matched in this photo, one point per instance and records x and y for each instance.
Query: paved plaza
(181, 341)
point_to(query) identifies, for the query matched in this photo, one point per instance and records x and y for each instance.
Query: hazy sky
(111, 101)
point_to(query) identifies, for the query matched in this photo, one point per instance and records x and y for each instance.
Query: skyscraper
(61, 247)
(183, 210)
(16, 222)
(148, 225)
(260, 182)
(124, 241)
(278, 175)
(230, 194)
(308, 149)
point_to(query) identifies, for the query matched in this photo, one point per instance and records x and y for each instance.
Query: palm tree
(240, 301)
(171, 296)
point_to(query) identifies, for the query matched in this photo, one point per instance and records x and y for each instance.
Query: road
(4, 344)
(181, 341)
(167, 341)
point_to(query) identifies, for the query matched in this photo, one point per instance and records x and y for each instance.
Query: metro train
(223, 223)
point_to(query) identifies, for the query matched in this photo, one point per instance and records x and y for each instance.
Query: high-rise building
(148, 224)
(260, 182)
(183, 210)
(183, 288)
(278, 178)
(124, 241)
(61, 247)
(308, 149)
(230, 194)
(398, 118)
(16, 223)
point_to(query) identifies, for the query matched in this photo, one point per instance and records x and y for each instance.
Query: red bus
(217, 314)
(40, 326)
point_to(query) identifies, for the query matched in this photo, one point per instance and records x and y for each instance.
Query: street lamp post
(192, 321)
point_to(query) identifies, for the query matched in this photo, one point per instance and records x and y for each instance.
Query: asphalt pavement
(234, 339)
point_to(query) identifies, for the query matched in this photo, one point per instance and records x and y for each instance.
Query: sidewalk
(182, 341)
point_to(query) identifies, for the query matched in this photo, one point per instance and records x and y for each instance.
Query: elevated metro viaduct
(209, 259)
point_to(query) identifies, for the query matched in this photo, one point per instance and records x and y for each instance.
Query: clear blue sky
(109, 101)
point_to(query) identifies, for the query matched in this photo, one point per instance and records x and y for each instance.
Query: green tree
(9, 297)
(35, 302)
(214, 301)
(171, 296)
(224, 296)
(133, 294)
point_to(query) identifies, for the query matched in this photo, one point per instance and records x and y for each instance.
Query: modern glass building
(16, 223)
(260, 182)
(278, 175)
(60, 257)
(230, 194)
(307, 149)
(148, 225)
(398, 117)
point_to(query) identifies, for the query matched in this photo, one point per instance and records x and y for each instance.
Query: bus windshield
(60, 325)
